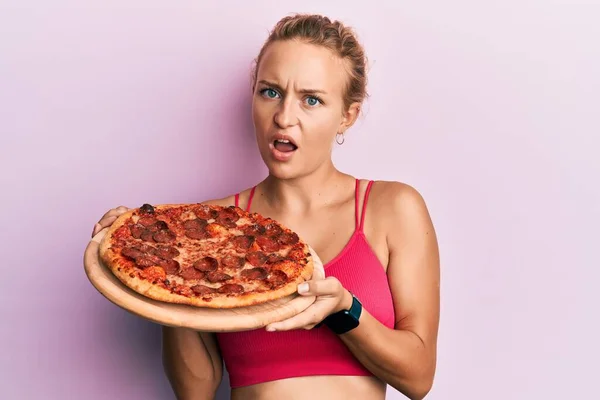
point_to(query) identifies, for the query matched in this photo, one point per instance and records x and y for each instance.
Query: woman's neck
(320, 188)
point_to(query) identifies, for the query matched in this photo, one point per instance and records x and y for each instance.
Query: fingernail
(303, 288)
(270, 329)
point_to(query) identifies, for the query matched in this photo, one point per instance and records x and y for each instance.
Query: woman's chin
(283, 171)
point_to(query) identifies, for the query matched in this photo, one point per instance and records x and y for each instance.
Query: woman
(375, 318)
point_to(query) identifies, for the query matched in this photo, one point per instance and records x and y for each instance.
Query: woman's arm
(192, 363)
(404, 357)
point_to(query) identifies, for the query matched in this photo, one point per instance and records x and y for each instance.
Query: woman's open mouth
(284, 145)
(282, 149)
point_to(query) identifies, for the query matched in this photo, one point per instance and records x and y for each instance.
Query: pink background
(491, 111)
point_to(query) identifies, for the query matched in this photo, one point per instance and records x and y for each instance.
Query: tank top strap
(237, 198)
(356, 211)
(250, 198)
(364, 206)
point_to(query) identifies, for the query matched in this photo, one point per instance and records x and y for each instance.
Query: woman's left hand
(330, 297)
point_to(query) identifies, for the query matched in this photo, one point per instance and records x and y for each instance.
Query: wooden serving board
(184, 316)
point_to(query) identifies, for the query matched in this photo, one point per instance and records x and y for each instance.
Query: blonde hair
(320, 30)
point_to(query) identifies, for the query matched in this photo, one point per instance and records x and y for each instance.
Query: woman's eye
(312, 101)
(270, 93)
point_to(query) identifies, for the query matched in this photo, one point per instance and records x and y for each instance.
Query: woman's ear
(349, 117)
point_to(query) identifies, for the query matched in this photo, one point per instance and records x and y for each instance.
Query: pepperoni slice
(147, 208)
(254, 273)
(147, 236)
(273, 229)
(166, 252)
(146, 221)
(205, 212)
(147, 261)
(256, 258)
(145, 248)
(268, 244)
(197, 234)
(254, 230)
(227, 217)
(206, 264)
(191, 273)
(231, 288)
(158, 226)
(195, 224)
(132, 253)
(274, 258)
(164, 236)
(136, 230)
(216, 276)
(170, 266)
(232, 261)
(202, 289)
(278, 277)
(288, 238)
(243, 242)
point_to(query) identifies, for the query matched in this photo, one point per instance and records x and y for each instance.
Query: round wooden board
(184, 316)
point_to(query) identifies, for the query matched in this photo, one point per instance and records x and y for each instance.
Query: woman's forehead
(302, 65)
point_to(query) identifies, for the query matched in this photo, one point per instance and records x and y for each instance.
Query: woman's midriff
(315, 388)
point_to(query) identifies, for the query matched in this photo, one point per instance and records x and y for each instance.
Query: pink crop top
(257, 356)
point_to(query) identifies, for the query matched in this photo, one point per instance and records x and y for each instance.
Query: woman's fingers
(108, 219)
(115, 211)
(321, 287)
(307, 319)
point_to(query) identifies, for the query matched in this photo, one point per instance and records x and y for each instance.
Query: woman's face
(298, 107)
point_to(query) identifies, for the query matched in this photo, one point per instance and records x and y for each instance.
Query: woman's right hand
(108, 219)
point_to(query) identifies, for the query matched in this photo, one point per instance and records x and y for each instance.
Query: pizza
(205, 255)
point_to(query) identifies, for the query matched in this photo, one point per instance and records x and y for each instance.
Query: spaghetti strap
(237, 198)
(250, 198)
(356, 215)
(364, 207)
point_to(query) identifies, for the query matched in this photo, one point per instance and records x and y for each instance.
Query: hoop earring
(337, 139)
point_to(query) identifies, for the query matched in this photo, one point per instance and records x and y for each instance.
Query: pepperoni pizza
(205, 255)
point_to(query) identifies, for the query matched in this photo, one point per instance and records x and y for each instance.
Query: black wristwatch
(345, 320)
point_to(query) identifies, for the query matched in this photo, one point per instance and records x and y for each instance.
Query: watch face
(342, 322)
(351, 321)
(346, 320)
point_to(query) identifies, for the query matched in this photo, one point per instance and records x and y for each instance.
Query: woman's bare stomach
(315, 388)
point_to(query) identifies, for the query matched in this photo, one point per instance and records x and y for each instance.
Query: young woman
(375, 318)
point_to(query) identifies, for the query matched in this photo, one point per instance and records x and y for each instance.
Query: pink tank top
(257, 356)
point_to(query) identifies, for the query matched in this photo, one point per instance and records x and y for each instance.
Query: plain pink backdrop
(491, 111)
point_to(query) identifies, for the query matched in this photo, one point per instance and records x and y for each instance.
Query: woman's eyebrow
(310, 91)
(304, 91)
(271, 84)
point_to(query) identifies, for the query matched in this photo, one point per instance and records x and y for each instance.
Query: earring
(337, 138)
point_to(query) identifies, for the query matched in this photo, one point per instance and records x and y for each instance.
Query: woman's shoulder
(394, 191)
(392, 199)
